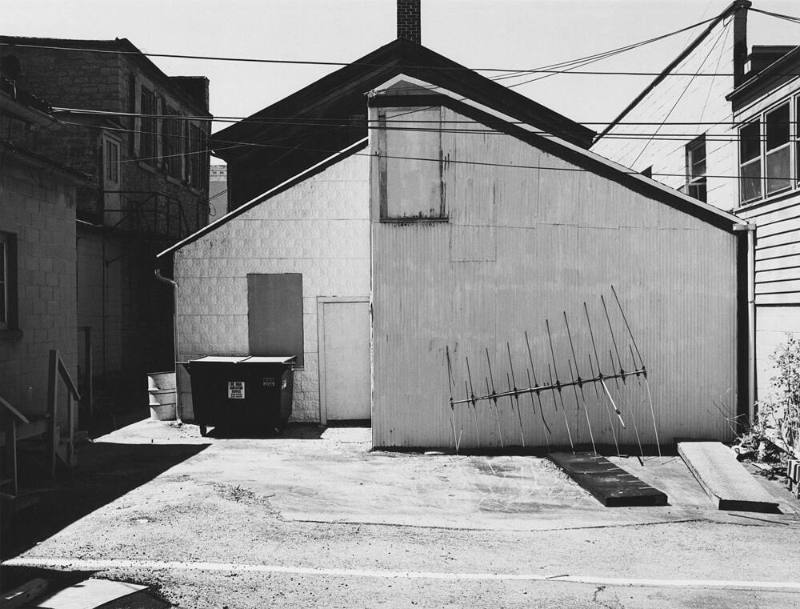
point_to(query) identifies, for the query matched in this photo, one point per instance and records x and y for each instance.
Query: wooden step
(724, 479)
(609, 484)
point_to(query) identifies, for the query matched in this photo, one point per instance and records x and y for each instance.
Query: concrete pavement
(319, 520)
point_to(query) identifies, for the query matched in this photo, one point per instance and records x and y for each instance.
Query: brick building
(127, 124)
(38, 309)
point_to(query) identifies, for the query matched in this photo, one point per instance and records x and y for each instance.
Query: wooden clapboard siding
(523, 244)
(777, 266)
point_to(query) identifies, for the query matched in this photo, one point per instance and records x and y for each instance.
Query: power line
(338, 122)
(508, 72)
(675, 136)
(724, 31)
(777, 15)
(235, 144)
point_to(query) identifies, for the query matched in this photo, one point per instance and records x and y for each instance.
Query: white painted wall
(319, 227)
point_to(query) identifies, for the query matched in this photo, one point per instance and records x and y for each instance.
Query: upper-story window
(147, 146)
(777, 149)
(696, 168)
(765, 154)
(196, 157)
(171, 143)
(8, 269)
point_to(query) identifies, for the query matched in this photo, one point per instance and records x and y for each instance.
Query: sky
(477, 33)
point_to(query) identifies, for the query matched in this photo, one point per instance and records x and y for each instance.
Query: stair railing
(16, 417)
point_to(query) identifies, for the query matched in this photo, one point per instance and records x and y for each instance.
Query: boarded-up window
(275, 314)
(411, 164)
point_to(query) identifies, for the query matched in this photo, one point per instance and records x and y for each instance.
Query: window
(171, 148)
(696, 168)
(196, 160)
(769, 152)
(750, 161)
(777, 149)
(110, 163)
(147, 146)
(8, 292)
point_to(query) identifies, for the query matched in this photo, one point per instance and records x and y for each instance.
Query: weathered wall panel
(319, 228)
(530, 244)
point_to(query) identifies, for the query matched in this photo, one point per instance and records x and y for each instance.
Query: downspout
(174, 285)
(751, 320)
(746, 326)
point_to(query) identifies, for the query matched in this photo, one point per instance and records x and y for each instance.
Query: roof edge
(275, 190)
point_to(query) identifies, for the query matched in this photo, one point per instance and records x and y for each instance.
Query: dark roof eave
(402, 57)
(773, 70)
(47, 163)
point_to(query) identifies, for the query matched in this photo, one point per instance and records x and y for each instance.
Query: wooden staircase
(43, 429)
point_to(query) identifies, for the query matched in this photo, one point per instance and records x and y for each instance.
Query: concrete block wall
(39, 208)
(687, 99)
(130, 313)
(319, 228)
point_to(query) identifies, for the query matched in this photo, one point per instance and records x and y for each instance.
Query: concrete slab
(724, 479)
(609, 484)
(89, 594)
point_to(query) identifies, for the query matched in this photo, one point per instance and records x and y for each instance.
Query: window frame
(172, 149)
(697, 183)
(772, 152)
(108, 143)
(193, 157)
(765, 154)
(148, 126)
(9, 322)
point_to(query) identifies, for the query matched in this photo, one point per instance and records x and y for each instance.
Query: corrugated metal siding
(523, 245)
(319, 228)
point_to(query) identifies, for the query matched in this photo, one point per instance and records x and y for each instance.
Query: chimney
(739, 40)
(408, 21)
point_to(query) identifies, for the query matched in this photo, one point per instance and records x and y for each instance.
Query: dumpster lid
(262, 359)
(249, 359)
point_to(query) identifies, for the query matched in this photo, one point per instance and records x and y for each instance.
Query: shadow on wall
(105, 472)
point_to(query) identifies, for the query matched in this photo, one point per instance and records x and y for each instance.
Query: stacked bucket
(163, 401)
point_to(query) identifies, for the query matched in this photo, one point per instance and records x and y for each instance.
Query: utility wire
(235, 144)
(505, 71)
(777, 15)
(338, 122)
(639, 135)
(685, 89)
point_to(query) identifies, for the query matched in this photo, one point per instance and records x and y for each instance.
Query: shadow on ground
(293, 431)
(105, 471)
(13, 577)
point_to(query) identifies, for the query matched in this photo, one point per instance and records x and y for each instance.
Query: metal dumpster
(242, 392)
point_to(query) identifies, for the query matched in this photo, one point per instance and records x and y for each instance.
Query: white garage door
(345, 379)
